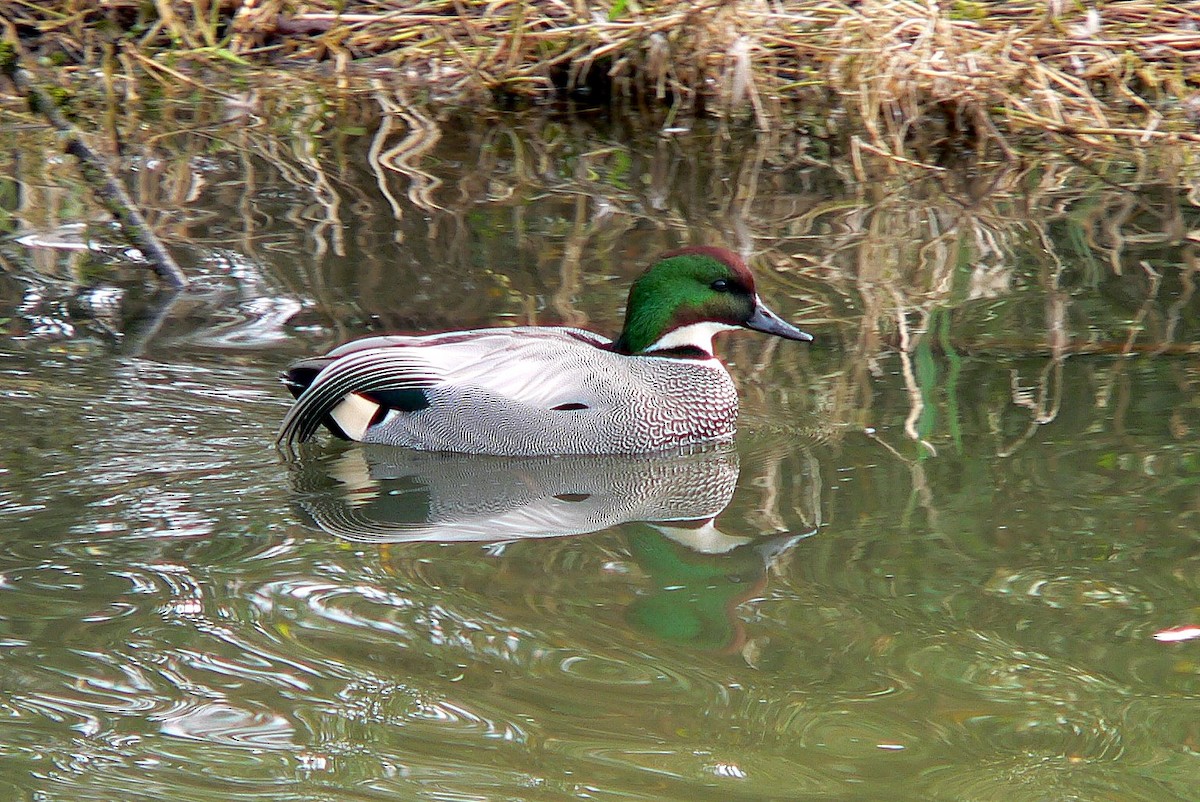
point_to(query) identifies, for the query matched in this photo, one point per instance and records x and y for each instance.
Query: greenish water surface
(953, 554)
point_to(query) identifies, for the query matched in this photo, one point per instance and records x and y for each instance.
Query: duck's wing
(371, 370)
(393, 372)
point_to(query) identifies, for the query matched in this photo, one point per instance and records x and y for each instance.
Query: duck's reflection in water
(665, 504)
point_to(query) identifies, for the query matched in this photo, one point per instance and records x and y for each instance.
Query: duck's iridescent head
(688, 296)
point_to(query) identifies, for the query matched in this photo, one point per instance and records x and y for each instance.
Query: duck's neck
(691, 340)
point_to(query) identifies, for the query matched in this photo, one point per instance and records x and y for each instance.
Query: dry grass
(884, 75)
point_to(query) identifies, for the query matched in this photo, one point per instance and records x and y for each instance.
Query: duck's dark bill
(766, 321)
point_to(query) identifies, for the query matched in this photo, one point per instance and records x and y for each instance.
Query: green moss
(969, 11)
(60, 96)
(57, 95)
(8, 58)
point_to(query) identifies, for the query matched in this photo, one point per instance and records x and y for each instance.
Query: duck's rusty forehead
(722, 255)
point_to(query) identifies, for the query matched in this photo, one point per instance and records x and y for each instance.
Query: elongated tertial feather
(363, 372)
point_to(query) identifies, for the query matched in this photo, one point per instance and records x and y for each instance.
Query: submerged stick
(107, 185)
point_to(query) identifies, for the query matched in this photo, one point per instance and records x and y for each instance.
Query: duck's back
(521, 391)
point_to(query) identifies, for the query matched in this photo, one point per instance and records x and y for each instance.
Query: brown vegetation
(880, 72)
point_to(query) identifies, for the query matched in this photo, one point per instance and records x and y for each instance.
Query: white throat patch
(693, 335)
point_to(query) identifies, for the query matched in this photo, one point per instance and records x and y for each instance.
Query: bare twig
(104, 181)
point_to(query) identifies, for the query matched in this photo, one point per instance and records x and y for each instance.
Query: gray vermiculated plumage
(494, 391)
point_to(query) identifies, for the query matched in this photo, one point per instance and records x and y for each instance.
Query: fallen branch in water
(94, 168)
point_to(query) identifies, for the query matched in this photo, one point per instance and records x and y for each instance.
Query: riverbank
(891, 77)
(921, 184)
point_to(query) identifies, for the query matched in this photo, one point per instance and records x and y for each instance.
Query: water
(949, 552)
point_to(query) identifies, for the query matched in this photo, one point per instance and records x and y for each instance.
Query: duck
(549, 390)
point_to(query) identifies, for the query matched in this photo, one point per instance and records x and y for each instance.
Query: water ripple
(1001, 671)
(616, 672)
(224, 723)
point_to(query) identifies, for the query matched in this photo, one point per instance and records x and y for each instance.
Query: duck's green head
(689, 295)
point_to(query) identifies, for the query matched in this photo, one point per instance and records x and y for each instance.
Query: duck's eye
(720, 285)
